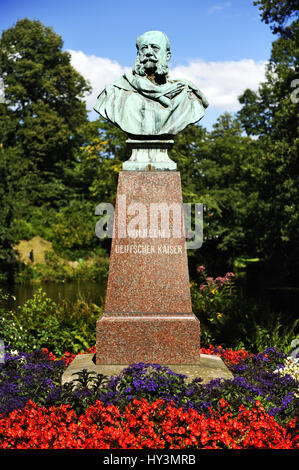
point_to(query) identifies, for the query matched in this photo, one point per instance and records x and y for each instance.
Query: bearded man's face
(152, 56)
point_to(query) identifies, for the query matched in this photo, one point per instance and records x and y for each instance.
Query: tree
(6, 217)
(219, 169)
(100, 160)
(277, 12)
(43, 114)
(271, 114)
(42, 120)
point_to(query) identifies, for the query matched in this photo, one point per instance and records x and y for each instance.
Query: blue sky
(222, 46)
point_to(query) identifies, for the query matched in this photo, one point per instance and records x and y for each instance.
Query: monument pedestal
(148, 314)
(149, 155)
(163, 339)
(210, 368)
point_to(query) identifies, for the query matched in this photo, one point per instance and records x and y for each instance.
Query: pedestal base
(209, 368)
(172, 339)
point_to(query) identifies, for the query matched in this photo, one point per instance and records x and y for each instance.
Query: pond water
(91, 292)
(284, 300)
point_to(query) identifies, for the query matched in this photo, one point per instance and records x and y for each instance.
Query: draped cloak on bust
(141, 108)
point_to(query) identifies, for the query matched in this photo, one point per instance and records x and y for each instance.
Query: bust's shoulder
(193, 88)
(122, 83)
(119, 84)
(184, 81)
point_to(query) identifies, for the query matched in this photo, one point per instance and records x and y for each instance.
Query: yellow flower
(219, 315)
(116, 168)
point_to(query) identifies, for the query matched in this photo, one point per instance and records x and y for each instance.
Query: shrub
(59, 270)
(27, 376)
(255, 378)
(212, 301)
(227, 319)
(148, 381)
(41, 323)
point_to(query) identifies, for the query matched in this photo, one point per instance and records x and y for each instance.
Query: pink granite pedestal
(148, 314)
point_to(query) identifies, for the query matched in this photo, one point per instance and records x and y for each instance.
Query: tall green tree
(43, 114)
(218, 168)
(42, 120)
(272, 115)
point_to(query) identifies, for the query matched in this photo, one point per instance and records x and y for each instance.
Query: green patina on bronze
(146, 104)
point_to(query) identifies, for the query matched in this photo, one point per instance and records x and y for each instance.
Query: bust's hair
(156, 32)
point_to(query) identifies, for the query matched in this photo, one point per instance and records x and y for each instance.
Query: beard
(161, 67)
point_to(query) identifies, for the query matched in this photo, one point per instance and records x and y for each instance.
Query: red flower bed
(229, 356)
(143, 426)
(69, 357)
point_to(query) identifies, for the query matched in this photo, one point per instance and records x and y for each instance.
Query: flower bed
(148, 406)
(142, 426)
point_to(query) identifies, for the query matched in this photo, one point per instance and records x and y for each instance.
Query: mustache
(151, 58)
(139, 67)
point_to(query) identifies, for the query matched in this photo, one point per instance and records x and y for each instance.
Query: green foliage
(73, 230)
(6, 217)
(42, 94)
(41, 323)
(22, 230)
(260, 328)
(99, 162)
(277, 12)
(42, 125)
(83, 391)
(218, 169)
(229, 319)
(272, 114)
(213, 301)
(58, 270)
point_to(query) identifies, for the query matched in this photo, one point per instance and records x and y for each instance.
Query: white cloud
(218, 7)
(221, 82)
(98, 70)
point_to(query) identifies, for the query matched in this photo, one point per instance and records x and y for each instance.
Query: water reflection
(92, 292)
(280, 300)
